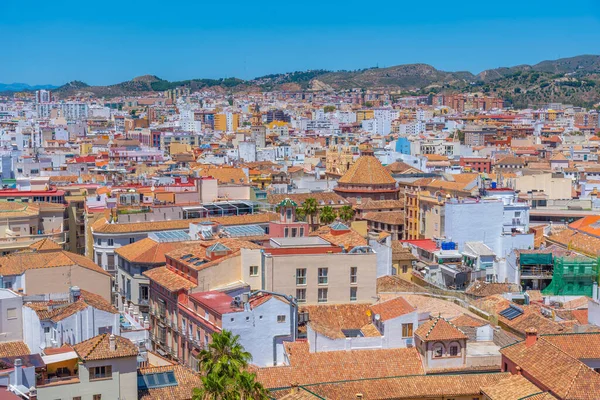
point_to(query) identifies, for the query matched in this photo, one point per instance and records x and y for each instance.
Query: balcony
(540, 273)
(18, 242)
(58, 380)
(143, 302)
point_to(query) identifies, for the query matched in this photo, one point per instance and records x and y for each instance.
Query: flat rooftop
(304, 241)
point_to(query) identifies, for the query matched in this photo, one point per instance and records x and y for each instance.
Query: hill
(20, 87)
(574, 80)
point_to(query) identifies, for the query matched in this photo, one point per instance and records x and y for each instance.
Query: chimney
(519, 370)
(359, 396)
(530, 337)
(294, 388)
(112, 342)
(18, 364)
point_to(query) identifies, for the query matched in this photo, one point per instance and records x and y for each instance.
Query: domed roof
(367, 170)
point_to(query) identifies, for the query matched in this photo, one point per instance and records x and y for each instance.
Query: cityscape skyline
(252, 40)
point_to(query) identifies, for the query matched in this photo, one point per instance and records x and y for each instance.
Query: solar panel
(512, 312)
(169, 236)
(248, 230)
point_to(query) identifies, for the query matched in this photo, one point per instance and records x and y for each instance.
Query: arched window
(438, 350)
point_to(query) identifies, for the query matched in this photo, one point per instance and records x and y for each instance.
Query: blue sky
(104, 42)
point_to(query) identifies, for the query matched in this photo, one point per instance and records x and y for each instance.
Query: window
(104, 372)
(294, 232)
(353, 274)
(453, 351)
(144, 292)
(301, 295)
(301, 231)
(111, 242)
(322, 295)
(322, 276)
(280, 319)
(301, 276)
(405, 269)
(131, 240)
(46, 329)
(11, 313)
(254, 270)
(99, 242)
(438, 350)
(77, 398)
(353, 291)
(97, 397)
(407, 330)
(286, 232)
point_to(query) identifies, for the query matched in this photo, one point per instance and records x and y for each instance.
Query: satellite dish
(377, 317)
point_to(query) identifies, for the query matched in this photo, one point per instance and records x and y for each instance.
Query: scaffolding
(573, 276)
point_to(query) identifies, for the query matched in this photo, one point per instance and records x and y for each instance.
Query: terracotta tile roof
(561, 374)
(410, 387)
(148, 251)
(531, 316)
(201, 249)
(401, 253)
(330, 320)
(308, 368)
(187, 380)
(17, 263)
(509, 161)
(367, 170)
(395, 284)
(45, 245)
(483, 289)
(224, 175)
(386, 217)
(380, 205)
(512, 388)
(393, 308)
(581, 316)
(467, 320)
(98, 348)
(347, 240)
(439, 329)
(168, 279)
(577, 345)
(102, 226)
(13, 349)
(400, 167)
(57, 311)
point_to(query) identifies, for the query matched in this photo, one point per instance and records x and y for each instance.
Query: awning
(55, 358)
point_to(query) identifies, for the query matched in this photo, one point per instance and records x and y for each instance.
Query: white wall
(260, 333)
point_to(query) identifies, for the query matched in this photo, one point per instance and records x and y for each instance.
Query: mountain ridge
(574, 79)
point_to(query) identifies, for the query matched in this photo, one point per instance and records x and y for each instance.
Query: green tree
(346, 213)
(329, 109)
(300, 216)
(310, 209)
(222, 363)
(327, 215)
(368, 104)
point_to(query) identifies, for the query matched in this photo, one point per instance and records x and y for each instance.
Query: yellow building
(364, 114)
(227, 122)
(402, 261)
(85, 148)
(424, 214)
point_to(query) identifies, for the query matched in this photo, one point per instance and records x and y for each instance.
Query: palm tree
(327, 215)
(224, 356)
(310, 209)
(249, 388)
(346, 213)
(222, 363)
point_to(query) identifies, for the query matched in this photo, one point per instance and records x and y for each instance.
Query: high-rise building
(43, 96)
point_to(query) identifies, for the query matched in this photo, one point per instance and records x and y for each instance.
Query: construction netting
(573, 276)
(535, 258)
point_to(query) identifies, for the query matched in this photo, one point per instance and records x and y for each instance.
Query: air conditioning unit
(410, 342)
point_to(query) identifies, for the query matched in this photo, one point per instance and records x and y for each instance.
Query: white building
(71, 318)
